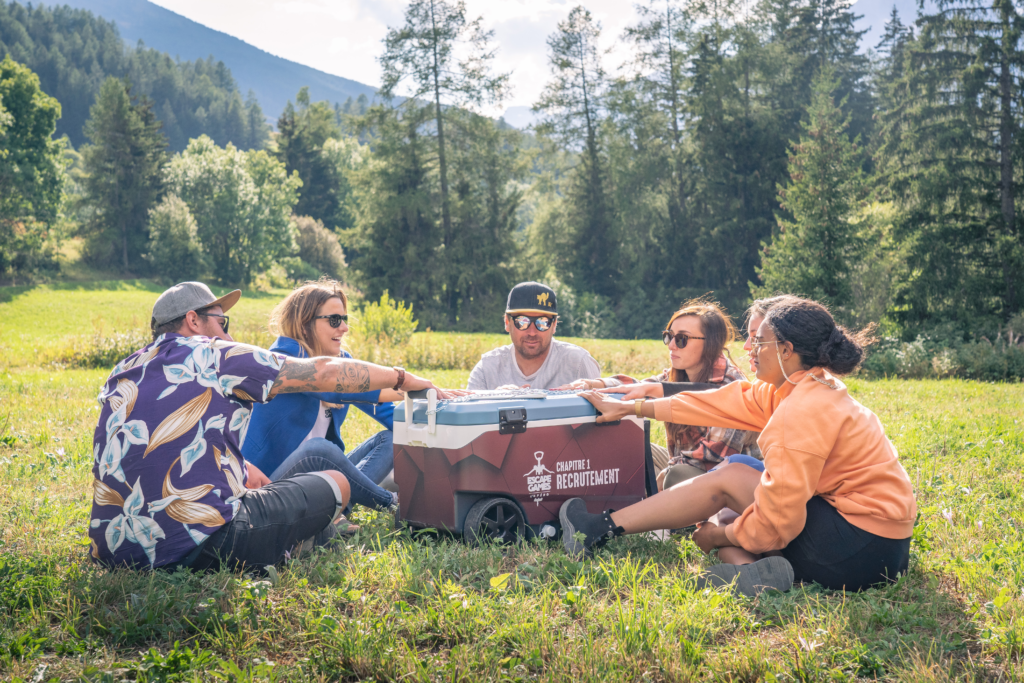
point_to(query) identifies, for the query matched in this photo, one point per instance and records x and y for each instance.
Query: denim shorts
(270, 522)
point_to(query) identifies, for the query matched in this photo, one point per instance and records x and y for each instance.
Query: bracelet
(401, 378)
(638, 406)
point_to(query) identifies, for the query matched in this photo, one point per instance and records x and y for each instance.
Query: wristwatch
(401, 378)
(638, 405)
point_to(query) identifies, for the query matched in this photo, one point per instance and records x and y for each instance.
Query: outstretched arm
(340, 375)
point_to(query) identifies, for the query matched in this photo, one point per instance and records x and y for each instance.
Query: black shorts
(836, 554)
(271, 521)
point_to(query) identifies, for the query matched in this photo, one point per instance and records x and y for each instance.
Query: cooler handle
(431, 396)
(431, 411)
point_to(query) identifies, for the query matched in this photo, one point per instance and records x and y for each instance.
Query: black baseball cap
(532, 298)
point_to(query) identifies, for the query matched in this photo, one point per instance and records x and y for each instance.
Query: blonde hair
(295, 317)
(717, 329)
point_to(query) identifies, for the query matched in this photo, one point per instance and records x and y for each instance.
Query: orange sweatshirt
(816, 441)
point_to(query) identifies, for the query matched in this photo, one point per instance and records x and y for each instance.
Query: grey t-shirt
(565, 363)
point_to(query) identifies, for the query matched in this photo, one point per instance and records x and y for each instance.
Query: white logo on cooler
(538, 481)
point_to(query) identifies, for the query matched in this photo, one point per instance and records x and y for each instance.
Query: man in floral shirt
(171, 488)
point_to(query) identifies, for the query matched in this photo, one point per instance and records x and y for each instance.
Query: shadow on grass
(429, 598)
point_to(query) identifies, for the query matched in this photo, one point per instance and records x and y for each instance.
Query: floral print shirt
(167, 465)
(703, 447)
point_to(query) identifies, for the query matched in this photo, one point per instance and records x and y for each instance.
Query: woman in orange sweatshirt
(833, 506)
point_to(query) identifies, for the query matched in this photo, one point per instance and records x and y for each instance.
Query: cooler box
(502, 464)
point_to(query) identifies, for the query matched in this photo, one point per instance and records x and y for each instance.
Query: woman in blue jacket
(294, 427)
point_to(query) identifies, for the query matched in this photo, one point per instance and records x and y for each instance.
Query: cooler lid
(482, 409)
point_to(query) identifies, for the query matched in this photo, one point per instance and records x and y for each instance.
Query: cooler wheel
(497, 519)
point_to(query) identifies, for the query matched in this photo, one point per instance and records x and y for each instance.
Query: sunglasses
(334, 320)
(224, 320)
(542, 322)
(681, 339)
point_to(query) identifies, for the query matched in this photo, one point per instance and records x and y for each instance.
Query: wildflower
(811, 646)
(947, 515)
(60, 451)
(979, 525)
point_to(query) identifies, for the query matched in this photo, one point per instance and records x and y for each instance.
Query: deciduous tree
(31, 170)
(242, 203)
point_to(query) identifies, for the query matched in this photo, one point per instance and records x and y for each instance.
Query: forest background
(742, 150)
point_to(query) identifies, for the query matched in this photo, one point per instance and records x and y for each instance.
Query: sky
(343, 37)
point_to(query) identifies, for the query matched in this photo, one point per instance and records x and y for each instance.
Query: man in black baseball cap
(534, 358)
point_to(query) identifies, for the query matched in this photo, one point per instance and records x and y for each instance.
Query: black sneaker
(750, 579)
(597, 529)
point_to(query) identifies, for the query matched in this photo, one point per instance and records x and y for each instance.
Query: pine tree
(950, 155)
(824, 33)
(124, 165)
(425, 53)
(649, 148)
(737, 129)
(257, 132)
(303, 129)
(394, 244)
(814, 254)
(572, 108)
(485, 162)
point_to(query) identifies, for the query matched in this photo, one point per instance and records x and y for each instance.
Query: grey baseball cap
(189, 296)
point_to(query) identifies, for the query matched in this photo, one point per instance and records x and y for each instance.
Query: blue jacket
(278, 428)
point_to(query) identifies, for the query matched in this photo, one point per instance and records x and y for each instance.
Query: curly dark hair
(815, 336)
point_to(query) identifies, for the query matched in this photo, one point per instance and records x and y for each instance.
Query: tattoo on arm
(353, 377)
(297, 375)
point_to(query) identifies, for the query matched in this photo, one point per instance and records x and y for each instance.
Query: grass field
(388, 606)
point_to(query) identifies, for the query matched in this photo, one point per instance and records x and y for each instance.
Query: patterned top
(166, 449)
(703, 447)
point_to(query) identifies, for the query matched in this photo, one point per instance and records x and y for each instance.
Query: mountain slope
(274, 80)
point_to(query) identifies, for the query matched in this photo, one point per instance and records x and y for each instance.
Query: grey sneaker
(595, 528)
(750, 579)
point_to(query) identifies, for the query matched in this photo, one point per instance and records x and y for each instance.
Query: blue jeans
(364, 467)
(741, 459)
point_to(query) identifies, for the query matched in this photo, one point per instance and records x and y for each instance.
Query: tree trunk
(1006, 128)
(124, 245)
(442, 166)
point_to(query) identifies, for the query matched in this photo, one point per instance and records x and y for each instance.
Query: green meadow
(388, 605)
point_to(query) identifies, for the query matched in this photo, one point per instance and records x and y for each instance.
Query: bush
(320, 249)
(100, 351)
(175, 252)
(988, 360)
(298, 270)
(381, 327)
